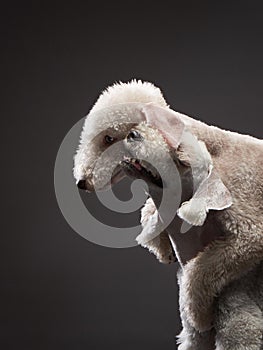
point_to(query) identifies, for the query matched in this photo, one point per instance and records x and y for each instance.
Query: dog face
(117, 109)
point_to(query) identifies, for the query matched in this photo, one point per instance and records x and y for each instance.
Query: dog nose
(81, 184)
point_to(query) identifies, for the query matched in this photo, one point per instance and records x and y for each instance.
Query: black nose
(82, 184)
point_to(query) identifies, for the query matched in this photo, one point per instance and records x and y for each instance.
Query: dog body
(216, 198)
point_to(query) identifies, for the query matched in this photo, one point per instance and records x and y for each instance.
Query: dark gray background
(58, 291)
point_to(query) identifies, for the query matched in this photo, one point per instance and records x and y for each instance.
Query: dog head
(131, 131)
(109, 122)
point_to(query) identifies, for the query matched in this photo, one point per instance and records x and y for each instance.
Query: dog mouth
(141, 169)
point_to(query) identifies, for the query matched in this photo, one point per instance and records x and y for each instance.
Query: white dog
(203, 180)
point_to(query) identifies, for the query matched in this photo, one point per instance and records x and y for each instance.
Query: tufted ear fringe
(212, 194)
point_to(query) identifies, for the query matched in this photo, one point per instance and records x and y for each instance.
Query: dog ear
(210, 193)
(166, 121)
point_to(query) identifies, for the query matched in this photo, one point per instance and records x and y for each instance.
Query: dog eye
(134, 136)
(108, 139)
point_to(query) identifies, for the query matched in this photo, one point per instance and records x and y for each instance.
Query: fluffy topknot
(133, 91)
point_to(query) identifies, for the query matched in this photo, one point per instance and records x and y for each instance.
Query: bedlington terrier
(212, 181)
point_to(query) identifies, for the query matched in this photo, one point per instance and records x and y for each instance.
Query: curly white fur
(221, 288)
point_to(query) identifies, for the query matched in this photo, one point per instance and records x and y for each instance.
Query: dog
(212, 181)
